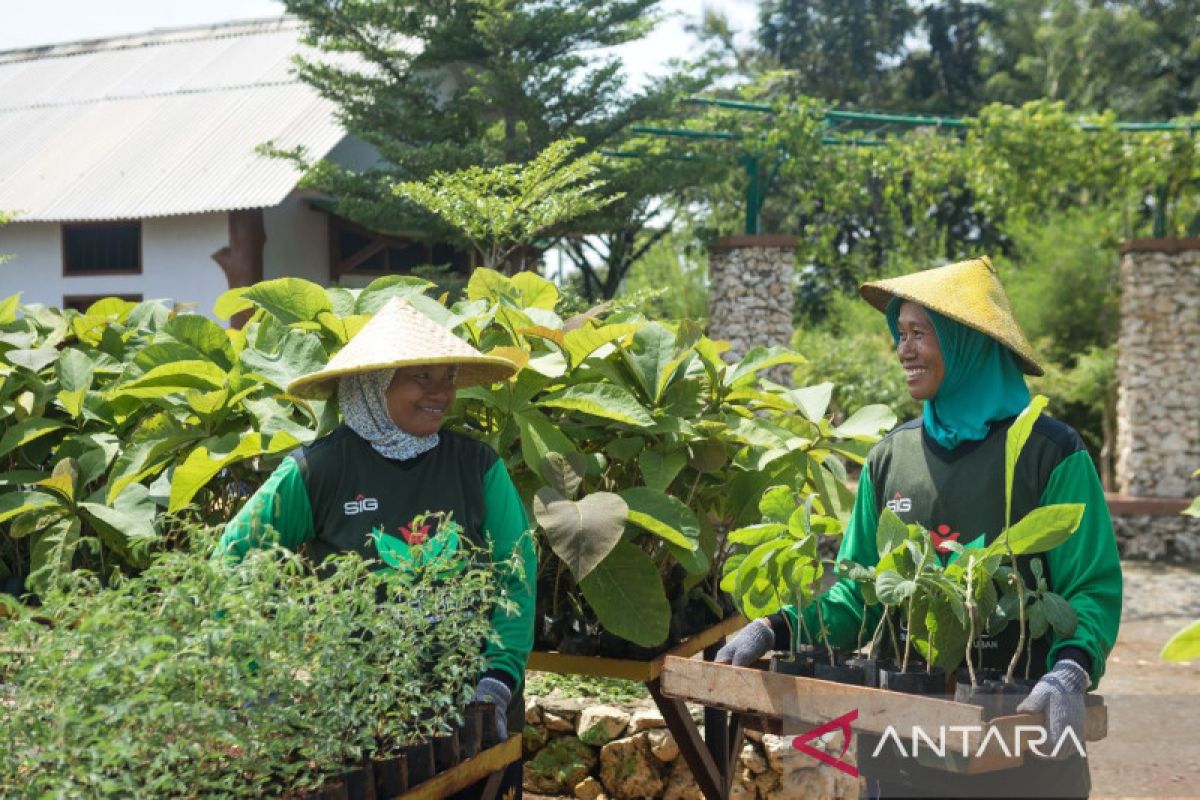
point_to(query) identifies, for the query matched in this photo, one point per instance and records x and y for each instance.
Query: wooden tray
(782, 701)
(627, 669)
(468, 772)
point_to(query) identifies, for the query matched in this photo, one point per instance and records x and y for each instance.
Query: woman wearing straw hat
(963, 355)
(359, 488)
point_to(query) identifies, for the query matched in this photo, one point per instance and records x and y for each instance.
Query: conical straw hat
(968, 292)
(400, 336)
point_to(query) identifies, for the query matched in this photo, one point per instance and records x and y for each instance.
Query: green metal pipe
(684, 133)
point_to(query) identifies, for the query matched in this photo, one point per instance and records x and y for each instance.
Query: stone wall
(1158, 369)
(750, 293)
(594, 751)
(1158, 395)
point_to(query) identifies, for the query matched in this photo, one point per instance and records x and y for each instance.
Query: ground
(1153, 744)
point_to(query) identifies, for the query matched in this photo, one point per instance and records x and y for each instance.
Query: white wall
(176, 263)
(297, 241)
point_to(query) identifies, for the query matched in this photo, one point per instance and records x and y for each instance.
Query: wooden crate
(645, 671)
(467, 772)
(789, 704)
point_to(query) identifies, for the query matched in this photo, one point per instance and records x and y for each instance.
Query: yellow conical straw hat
(400, 336)
(968, 292)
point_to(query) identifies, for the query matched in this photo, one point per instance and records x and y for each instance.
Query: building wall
(297, 241)
(177, 259)
(176, 263)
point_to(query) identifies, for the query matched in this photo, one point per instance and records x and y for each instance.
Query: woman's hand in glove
(747, 645)
(1059, 695)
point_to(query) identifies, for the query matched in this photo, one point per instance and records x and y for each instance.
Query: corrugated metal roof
(156, 124)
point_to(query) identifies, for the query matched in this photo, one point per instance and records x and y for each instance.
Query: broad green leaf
(1194, 509)
(488, 284)
(760, 358)
(290, 299)
(299, 353)
(754, 535)
(154, 444)
(582, 533)
(74, 370)
(564, 476)
(25, 432)
(627, 595)
(1184, 645)
(813, 401)
(652, 349)
(867, 423)
(172, 378)
(540, 436)
(1040, 530)
(777, 504)
(53, 553)
(36, 521)
(204, 462)
(535, 291)
(891, 532)
(8, 308)
(126, 526)
(14, 503)
(602, 400)
(1014, 443)
(659, 469)
(232, 301)
(663, 515)
(1035, 618)
(204, 336)
(34, 360)
(382, 289)
(893, 588)
(1060, 615)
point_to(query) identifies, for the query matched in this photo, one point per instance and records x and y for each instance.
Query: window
(102, 248)
(81, 302)
(355, 250)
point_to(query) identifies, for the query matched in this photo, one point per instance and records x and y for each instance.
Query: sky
(29, 24)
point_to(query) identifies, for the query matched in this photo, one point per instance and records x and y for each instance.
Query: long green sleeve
(1086, 568)
(280, 507)
(842, 605)
(507, 529)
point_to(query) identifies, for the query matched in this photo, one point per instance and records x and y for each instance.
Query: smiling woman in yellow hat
(965, 357)
(361, 487)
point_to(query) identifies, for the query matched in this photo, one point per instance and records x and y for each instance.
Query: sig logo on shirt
(360, 504)
(899, 504)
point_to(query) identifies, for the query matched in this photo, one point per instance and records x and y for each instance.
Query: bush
(249, 680)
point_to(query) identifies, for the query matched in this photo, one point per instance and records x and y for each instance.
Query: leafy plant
(202, 677)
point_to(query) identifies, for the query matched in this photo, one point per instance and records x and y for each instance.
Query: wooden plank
(693, 749)
(468, 772)
(771, 694)
(628, 669)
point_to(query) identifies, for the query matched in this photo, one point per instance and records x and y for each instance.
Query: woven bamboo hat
(400, 336)
(968, 292)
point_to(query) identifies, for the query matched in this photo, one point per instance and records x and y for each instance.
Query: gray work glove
(1059, 695)
(490, 690)
(747, 645)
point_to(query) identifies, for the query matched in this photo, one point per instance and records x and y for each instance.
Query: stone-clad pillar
(1158, 394)
(750, 293)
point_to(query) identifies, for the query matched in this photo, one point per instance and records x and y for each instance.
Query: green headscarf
(982, 383)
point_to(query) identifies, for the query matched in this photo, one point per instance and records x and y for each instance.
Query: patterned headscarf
(363, 398)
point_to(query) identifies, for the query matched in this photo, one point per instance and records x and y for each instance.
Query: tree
(842, 51)
(444, 85)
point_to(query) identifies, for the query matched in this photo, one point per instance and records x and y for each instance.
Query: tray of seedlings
(921, 669)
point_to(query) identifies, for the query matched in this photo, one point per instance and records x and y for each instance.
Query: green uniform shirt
(959, 494)
(338, 495)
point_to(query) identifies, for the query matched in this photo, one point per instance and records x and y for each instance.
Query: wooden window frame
(67, 226)
(85, 300)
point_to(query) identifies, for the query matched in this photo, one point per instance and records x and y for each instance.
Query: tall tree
(843, 51)
(441, 85)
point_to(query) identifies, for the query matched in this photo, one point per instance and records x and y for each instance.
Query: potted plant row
(269, 677)
(927, 603)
